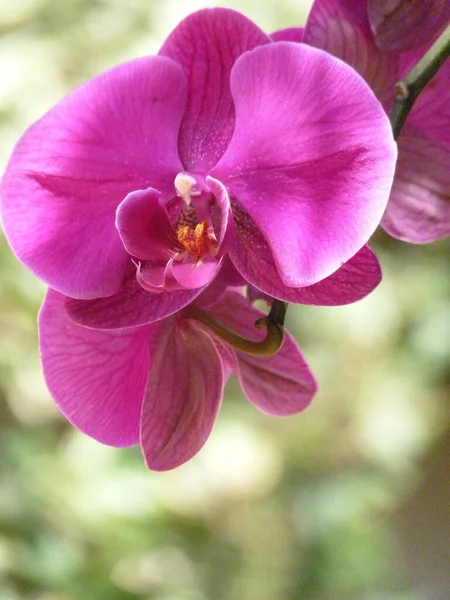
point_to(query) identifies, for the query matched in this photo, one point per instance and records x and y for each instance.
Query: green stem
(408, 89)
(274, 322)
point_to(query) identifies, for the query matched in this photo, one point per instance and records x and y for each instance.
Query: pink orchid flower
(418, 210)
(136, 189)
(161, 385)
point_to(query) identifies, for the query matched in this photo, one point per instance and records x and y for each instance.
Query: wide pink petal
(312, 158)
(131, 306)
(206, 44)
(97, 378)
(341, 29)
(419, 206)
(402, 25)
(278, 385)
(357, 278)
(290, 34)
(183, 396)
(144, 226)
(252, 257)
(68, 173)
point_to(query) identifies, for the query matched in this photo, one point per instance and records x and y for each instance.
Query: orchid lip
(177, 242)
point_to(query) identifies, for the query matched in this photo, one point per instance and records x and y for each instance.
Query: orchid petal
(71, 169)
(341, 29)
(419, 207)
(206, 44)
(312, 158)
(97, 378)
(131, 306)
(183, 396)
(144, 226)
(402, 25)
(290, 34)
(278, 385)
(252, 257)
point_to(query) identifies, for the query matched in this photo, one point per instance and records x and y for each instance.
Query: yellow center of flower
(195, 240)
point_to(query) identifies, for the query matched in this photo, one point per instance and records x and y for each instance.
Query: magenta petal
(252, 257)
(206, 44)
(419, 207)
(183, 396)
(312, 168)
(71, 169)
(97, 378)
(402, 25)
(131, 306)
(144, 226)
(341, 28)
(192, 273)
(278, 385)
(290, 34)
(357, 278)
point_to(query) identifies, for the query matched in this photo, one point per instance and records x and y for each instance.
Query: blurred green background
(348, 501)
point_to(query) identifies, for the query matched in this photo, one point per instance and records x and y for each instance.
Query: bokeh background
(347, 501)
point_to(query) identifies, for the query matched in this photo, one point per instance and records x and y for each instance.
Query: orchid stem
(274, 322)
(408, 89)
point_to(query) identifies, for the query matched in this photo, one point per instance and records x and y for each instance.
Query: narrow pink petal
(192, 273)
(278, 385)
(419, 206)
(206, 44)
(402, 25)
(97, 378)
(312, 158)
(131, 306)
(341, 28)
(290, 34)
(252, 257)
(183, 396)
(69, 172)
(144, 226)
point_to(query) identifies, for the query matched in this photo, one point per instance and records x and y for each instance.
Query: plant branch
(408, 89)
(274, 322)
